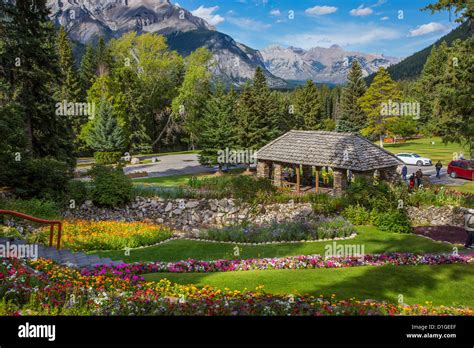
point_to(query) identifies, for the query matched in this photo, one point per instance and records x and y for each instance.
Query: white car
(414, 159)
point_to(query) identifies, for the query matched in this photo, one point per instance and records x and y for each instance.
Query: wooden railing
(52, 223)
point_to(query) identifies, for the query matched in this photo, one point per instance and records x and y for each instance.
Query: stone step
(65, 256)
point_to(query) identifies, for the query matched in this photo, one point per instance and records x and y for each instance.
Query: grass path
(373, 240)
(449, 285)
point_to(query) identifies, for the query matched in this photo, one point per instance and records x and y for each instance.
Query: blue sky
(393, 27)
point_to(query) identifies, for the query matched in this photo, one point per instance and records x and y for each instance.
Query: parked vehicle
(461, 169)
(414, 159)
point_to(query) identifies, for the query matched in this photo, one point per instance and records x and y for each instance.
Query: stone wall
(189, 215)
(436, 216)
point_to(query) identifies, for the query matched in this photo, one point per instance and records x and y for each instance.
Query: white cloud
(361, 11)
(345, 35)
(427, 28)
(275, 12)
(248, 23)
(384, 18)
(320, 10)
(207, 13)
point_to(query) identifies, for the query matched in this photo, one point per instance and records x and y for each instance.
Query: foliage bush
(393, 221)
(43, 178)
(35, 207)
(359, 215)
(110, 186)
(438, 197)
(325, 204)
(77, 191)
(371, 195)
(107, 157)
(241, 187)
(288, 231)
(84, 235)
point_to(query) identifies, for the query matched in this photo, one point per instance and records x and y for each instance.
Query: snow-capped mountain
(329, 65)
(87, 20)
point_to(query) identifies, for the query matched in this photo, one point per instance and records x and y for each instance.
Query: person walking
(469, 227)
(419, 178)
(438, 167)
(404, 173)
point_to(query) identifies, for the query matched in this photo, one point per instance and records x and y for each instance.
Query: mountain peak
(112, 18)
(327, 65)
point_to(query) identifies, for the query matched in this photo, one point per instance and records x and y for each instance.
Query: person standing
(404, 172)
(419, 178)
(469, 227)
(438, 167)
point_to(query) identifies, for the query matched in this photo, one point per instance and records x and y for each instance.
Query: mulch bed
(449, 234)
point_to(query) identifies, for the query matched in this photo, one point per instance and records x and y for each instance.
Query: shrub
(10, 232)
(365, 193)
(43, 178)
(107, 157)
(77, 191)
(287, 231)
(437, 196)
(110, 186)
(107, 235)
(393, 221)
(359, 215)
(38, 208)
(241, 187)
(325, 204)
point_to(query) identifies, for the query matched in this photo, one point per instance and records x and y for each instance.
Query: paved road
(445, 179)
(171, 165)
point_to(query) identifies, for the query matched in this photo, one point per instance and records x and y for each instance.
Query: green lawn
(423, 147)
(441, 284)
(170, 181)
(374, 241)
(180, 180)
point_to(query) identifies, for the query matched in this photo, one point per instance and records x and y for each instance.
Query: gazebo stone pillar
(277, 174)
(263, 169)
(389, 174)
(340, 180)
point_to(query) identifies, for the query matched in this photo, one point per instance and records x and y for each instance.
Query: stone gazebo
(308, 152)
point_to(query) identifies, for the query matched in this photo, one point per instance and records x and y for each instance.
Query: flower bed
(87, 235)
(287, 231)
(49, 289)
(292, 262)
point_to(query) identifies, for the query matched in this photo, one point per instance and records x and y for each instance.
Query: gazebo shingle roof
(332, 149)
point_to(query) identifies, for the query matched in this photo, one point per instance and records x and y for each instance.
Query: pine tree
(87, 71)
(106, 135)
(426, 88)
(30, 67)
(352, 118)
(308, 107)
(218, 129)
(263, 111)
(70, 88)
(246, 129)
(455, 108)
(103, 58)
(381, 92)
